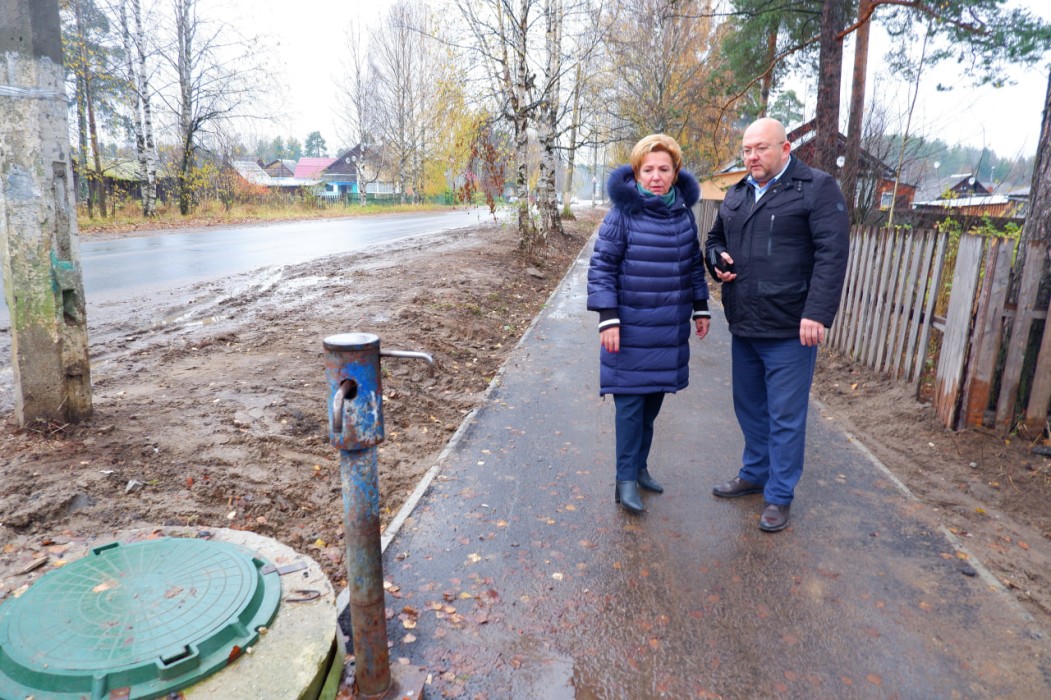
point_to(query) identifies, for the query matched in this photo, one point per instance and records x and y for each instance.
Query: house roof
(250, 170)
(285, 163)
(975, 201)
(802, 140)
(311, 168)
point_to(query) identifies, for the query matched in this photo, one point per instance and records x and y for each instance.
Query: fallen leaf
(408, 639)
(557, 576)
(106, 585)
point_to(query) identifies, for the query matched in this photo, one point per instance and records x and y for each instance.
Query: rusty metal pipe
(352, 369)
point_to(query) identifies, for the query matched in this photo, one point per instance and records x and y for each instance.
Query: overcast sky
(311, 35)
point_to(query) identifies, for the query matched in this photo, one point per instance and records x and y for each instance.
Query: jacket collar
(622, 192)
(796, 170)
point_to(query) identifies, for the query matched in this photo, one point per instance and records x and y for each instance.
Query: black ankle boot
(627, 495)
(646, 482)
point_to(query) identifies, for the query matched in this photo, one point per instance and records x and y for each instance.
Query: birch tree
(499, 31)
(547, 118)
(88, 59)
(137, 75)
(395, 56)
(216, 77)
(359, 106)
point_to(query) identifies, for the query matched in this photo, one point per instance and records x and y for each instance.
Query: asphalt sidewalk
(516, 576)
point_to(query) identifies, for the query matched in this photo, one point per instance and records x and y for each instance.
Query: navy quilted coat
(647, 265)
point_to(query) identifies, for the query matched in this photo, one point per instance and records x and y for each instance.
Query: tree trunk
(1037, 226)
(96, 177)
(830, 73)
(184, 34)
(147, 151)
(548, 122)
(908, 127)
(571, 148)
(82, 154)
(767, 83)
(852, 165)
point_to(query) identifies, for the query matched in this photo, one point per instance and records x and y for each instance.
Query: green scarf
(668, 199)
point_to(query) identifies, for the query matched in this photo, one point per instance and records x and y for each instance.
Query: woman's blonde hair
(656, 142)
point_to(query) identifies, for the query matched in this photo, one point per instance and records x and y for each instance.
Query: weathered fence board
(844, 319)
(865, 296)
(926, 294)
(956, 338)
(886, 321)
(988, 333)
(1040, 395)
(1027, 289)
(885, 309)
(880, 287)
(905, 300)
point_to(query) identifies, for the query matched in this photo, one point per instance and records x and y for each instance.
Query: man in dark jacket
(779, 247)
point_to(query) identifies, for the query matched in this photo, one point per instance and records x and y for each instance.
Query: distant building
(962, 194)
(282, 167)
(875, 175)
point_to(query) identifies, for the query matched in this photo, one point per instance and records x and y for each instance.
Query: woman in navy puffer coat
(646, 280)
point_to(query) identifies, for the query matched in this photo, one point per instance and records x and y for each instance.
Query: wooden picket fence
(887, 321)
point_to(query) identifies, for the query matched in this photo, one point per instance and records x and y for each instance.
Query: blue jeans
(771, 390)
(635, 416)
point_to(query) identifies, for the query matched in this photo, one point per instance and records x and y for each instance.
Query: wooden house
(282, 167)
(966, 197)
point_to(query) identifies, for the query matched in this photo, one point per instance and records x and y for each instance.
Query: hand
(726, 276)
(703, 324)
(610, 338)
(811, 332)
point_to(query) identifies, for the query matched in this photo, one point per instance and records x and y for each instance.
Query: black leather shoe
(736, 487)
(647, 483)
(774, 518)
(627, 495)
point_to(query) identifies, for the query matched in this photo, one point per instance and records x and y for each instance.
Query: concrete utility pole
(38, 225)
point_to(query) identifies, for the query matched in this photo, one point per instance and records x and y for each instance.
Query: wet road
(131, 267)
(517, 576)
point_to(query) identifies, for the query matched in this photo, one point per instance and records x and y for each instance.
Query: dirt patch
(209, 410)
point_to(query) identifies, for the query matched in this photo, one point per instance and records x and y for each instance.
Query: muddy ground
(210, 410)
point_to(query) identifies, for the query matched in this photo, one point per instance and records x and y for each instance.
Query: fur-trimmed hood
(624, 194)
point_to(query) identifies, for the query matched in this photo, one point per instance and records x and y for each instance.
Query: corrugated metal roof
(250, 170)
(977, 201)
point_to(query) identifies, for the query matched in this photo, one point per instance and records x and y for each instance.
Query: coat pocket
(782, 303)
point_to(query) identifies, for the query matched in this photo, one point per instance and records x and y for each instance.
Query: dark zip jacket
(789, 250)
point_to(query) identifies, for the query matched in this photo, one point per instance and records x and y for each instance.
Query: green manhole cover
(134, 621)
